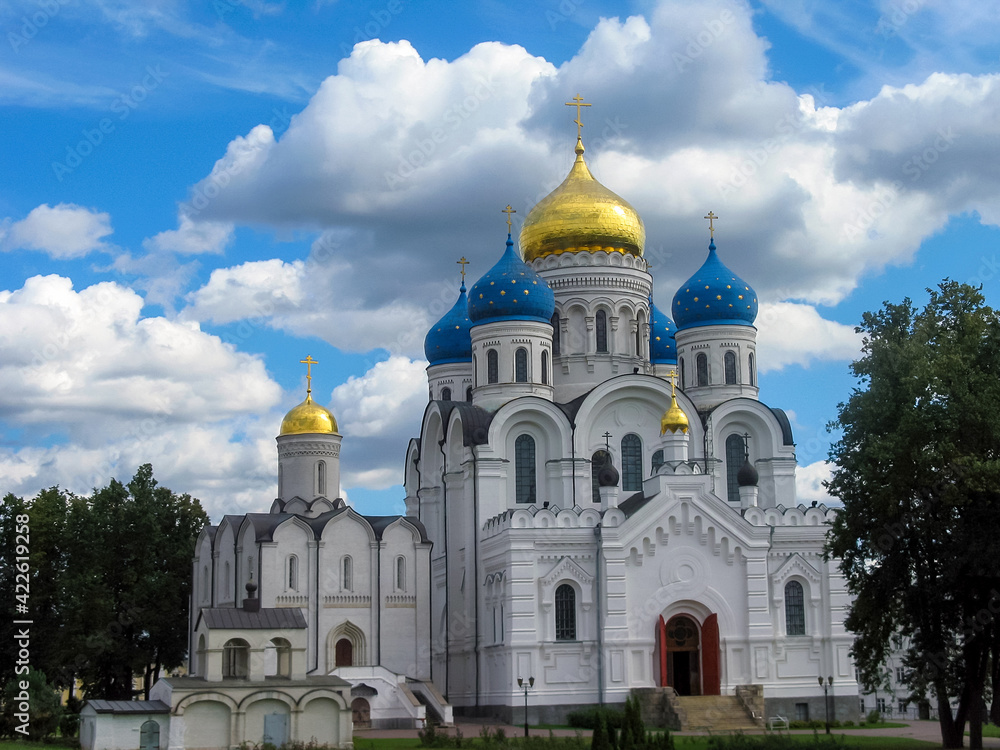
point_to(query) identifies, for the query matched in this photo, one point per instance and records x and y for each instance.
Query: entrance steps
(715, 713)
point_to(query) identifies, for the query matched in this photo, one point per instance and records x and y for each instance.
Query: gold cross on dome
(463, 263)
(672, 377)
(309, 362)
(508, 211)
(578, 102)
(711, 226)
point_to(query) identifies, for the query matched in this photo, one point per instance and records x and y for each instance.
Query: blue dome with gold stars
(714, 296)
(662, 346)
(511, 290)
(449, 339)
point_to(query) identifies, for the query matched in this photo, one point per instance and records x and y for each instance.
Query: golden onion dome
(581, 215)
(308, 417)
(674, 418)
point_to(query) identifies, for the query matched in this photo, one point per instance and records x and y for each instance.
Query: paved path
(920, 730)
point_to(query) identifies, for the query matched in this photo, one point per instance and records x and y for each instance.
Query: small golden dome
(308, 417)
(674, 418)
(581, 215)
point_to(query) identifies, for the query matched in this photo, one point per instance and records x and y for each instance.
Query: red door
(711, 675)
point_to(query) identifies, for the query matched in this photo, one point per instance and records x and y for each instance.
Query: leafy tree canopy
(917, 468)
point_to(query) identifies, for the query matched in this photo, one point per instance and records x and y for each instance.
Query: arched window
(638, 338)
(565, 613)
(281, 653)
(446, 394)
(729, 360)
(321, 478)
(735, 455)
(524, 469)
(657, 460)
(225, 581)
(680, 366)
(347, 573)
(492, 366)
(601, 326)
(468, 393)
(236, 659)
(795, 610)
(555, 334)
(204, 583)
(701, 365)
(400, 573)
(753, 370)
(545, 368)
(631, 463)
(293, 573)
(521, 366)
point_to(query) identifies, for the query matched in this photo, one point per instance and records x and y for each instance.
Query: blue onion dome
(714, 296)
(662, 346)
(511, 290)
(449, 339)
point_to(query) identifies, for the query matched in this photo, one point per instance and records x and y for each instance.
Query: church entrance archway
(688, 654)
(344, 653)
(361, 713)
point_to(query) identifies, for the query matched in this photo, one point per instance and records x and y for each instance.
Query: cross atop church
(672, 377)
(607, 439)
(746, 445)
(508, 211)
(711, 226)
(309, 362)
(578, 102)
(463, 263)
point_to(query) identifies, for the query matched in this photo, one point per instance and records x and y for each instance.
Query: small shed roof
(128, 707)
(267, 618)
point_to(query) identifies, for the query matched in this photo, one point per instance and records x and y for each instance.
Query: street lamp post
(826, 700)
(525, 686)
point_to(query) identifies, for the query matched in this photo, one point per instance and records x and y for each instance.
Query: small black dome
(607, 474)
(747, 476)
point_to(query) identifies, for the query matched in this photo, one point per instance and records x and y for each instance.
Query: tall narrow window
(545, 368)
(446, 394)
(204, 583)
(555, 334)
(638, 339)
(524, 469)
(475, 373)
(730, 366)
(601, 327)
(521, 366)
(468, 394)
(735, 455)
(347, 574)
(657, 460)
(400, 573)
(492, 366)
(565, 613)
(753, 371)
(293, 573)
(631, 463)
(701, 365)
(225, 582)
(795, 611)
(680, 366)
(321, 478)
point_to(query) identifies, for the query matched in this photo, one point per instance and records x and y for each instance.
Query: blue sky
(194, 196)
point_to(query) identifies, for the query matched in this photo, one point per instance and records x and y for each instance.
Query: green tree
(917, 468)
(31, 707)
(599, 740)
(111, 578)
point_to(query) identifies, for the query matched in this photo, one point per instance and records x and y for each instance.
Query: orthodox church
(597, 503)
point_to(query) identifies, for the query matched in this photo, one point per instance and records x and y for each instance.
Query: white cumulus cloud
(790, 333)
(62, 231)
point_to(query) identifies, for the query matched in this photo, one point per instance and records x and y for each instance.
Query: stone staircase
(715, 713)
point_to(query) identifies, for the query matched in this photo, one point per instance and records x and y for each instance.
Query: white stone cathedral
(597, 503)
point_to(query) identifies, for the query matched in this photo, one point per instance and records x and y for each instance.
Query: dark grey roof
(129, 707)
(380, 523)
(632, 504)
(786, 427)
(475, 420)
(268, 618)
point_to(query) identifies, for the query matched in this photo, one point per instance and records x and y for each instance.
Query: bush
(586, 718)
(774, 742)
(874, 717)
